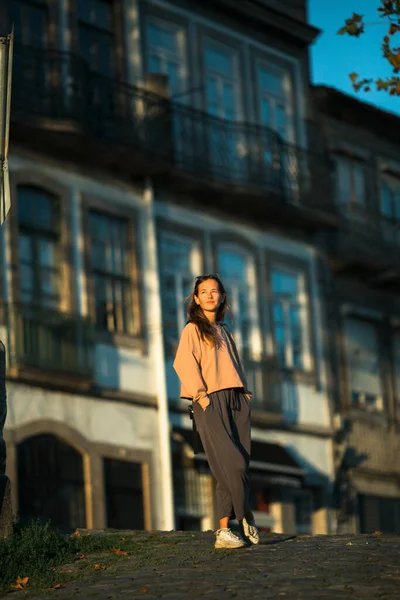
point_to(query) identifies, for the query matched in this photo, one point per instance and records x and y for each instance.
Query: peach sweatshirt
(204, 369)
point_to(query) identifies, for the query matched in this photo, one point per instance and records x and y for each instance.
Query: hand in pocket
(204, 402)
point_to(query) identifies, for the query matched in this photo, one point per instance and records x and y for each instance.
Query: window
(166, 53)
(177, 265)
(96, 35)
(364, 365)
(227, 144)
(236, 273)
(275, 105)
(123, 482)
(30, 19)
(51, 482)
(192, 492)
(379, 514)
(289, 318)
(111, 267)
(221, 82)
(350, 184)
(390, 209)
(39, 247)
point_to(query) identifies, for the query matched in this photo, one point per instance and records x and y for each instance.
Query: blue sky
(333, 57)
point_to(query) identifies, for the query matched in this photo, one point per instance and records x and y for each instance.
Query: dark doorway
(124, 494)
(50, 482)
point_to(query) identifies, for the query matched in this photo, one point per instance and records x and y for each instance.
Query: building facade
(363, 142)
(151, 142)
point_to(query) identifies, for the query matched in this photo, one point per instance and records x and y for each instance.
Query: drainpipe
(156, 343)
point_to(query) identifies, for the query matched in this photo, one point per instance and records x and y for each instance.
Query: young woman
(211, 375)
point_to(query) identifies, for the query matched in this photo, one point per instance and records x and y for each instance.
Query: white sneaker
(225, 538)
(250, 531)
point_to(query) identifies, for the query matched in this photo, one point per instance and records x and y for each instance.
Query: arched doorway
(51, 482)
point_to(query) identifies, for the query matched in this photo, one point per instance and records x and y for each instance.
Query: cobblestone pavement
(309, 567)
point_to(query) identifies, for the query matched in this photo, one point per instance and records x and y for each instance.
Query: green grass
(32, 552)
(49, 558)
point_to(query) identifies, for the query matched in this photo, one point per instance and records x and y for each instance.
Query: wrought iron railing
(49, 340)
(56, 85)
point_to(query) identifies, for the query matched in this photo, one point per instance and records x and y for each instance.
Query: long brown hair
(196, 315)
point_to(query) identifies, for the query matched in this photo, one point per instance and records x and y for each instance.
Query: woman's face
(209, 296)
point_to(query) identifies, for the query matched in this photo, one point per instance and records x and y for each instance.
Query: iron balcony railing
(55, 85)
(49, 340)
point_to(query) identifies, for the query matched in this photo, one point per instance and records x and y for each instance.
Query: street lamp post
(6, 53)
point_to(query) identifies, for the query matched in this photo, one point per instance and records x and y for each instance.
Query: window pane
(25, 249)
(176, 284)
(169, 308)
(212, 90)
(228, 96)
(37, 27)
(175, 255)
(284, 284)
(244, 315)
(102, 14)
(26, 275)
(363, 357)
(125, 300)
(163, 37)
(105, 54)
(84, 10)
(220, 61)
(343, 185)
(86, 49)
(102, 297)
(359, 183)
(155, 65)
(280, 333)
(266, 112)
(386, 200)
(109, 243)
(232, 265)
(174, 77)
(270, 81)
(280, 343)
(48, 282)
(47, 253)
(287, 318)
(281, 123)
(35, 207)
(110, 261)
(296, 336)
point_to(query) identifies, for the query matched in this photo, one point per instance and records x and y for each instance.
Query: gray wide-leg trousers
(224, 429)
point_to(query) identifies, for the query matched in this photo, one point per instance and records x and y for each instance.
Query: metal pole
(3, 407)
(6, 54)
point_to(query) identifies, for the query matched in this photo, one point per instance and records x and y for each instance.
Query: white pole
(156, 341)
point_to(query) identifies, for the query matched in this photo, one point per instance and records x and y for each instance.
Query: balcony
(48, 346)
(367, 244)
(62, 108)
